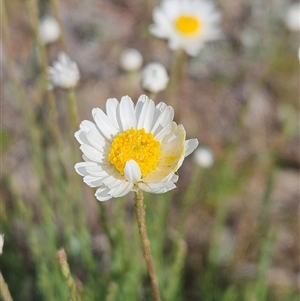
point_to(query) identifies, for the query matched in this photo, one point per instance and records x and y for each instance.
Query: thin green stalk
(4, 289)
(141, 219)
(32, 8)
(62, 38)
(73, 111)
(62, 259)
(178, 63)
(189, 197)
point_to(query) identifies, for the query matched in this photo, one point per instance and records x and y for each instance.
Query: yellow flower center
(187, 25)
(137, 145)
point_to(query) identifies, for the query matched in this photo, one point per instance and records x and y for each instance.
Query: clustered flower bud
(64, 73)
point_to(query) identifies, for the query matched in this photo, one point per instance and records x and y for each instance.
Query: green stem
(73, 111)
(176, 72)
(141, 219)
(62, 259)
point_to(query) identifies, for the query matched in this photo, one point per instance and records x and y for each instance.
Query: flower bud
(154, 78)
(49, 29)
(64, 73)
(131, 60)
(203, 157)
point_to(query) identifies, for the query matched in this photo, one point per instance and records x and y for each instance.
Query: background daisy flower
(132, 147)
(187, 24)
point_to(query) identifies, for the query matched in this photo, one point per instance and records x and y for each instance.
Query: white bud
(203, 157)
(154, 78)
(49, 29)
(131, 60)
(1, 242)
(64, 72)
(292, 17)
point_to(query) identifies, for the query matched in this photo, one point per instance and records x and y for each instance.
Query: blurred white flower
(64, 73)
(154, 78)
(131, 60)
(187, 24)
(132, 147)
(292, 17)
(1, 242)
(49, 29)
(203, 157)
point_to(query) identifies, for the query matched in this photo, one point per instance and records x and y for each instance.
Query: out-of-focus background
(228, 232)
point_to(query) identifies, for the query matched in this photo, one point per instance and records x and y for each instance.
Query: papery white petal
(102, 194)
(127, 114)
(106, 127)
(189, 146)
(132, 171)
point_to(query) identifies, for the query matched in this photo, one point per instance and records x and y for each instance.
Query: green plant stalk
(141, 219)
(4, 289)
(62, 259)
(73, 111)
(62, 39)
(178, 63)
(189, 197)
(32, 9)
(173, 288)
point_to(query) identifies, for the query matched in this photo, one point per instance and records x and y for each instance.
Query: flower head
(131, 60)
(132, 147)
(49, 29)
(64, 73)
(203, 157)
(187, 24)
(154, 78)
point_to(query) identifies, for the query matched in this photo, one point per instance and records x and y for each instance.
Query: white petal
(93, 181)
(132, 171)
(144, 113)
(189, 146)
(91, 153)
(96, 141)
(157, 187)
(102, 194)
(121, 189)
(81, 137)
(112, 105)
(81, 167)
(104, 124)
(163, 120)
(127, 114)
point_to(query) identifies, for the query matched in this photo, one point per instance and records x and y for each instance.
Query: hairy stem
(141, 219)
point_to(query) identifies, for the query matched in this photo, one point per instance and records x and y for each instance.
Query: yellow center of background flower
(187, 25)
(137, 145)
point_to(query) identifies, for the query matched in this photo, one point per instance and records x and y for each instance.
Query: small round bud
(203, 157)
(131, 60)
(154, 78)
(49, 29)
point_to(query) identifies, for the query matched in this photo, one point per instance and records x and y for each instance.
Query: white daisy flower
(49, 29)
(187, 24)
(64, 73)
(154, 78)
(131, 60)
(132, 147)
